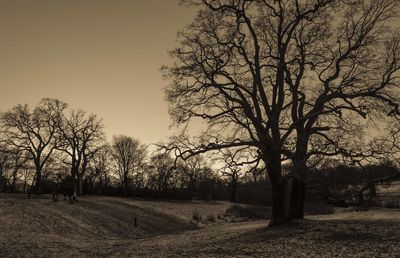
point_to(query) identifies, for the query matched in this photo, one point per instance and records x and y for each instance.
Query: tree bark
(74, 174)
(279, 202)
(81, 174)
(299, 175)
(297, 198)
(288, 194)
(279, 214)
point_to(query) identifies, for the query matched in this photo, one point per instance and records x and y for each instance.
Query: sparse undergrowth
(206, 219)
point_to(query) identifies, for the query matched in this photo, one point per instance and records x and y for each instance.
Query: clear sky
(100, 55)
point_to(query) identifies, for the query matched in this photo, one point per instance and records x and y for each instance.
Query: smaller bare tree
(161, 172)
(80, 137)
(129, 156)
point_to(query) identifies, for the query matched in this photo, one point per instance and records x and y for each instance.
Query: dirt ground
(104, 227)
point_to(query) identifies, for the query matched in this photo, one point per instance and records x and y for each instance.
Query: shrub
(249, 211)
(196, 215)
(211, 218)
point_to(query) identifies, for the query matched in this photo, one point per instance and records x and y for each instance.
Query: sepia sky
(101, 55)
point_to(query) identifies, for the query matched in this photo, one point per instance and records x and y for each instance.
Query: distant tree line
(51, 148)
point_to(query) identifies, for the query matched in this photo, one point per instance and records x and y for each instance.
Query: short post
(135, 222)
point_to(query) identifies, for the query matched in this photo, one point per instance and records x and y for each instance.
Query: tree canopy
(287, 79)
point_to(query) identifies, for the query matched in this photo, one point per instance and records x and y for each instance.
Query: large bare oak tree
(288, 79)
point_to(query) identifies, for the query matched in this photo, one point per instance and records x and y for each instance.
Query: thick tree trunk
(280, 214)
(279, 205)
(287, 200)
(288, 196)
(298, 193)
(297, 198)
(288, 192)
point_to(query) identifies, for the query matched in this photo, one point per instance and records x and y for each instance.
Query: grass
(103, 227)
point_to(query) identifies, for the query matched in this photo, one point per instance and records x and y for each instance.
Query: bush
(196, 216)
(249, 211)
(211, 218)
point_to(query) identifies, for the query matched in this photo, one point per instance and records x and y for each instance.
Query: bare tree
(34, 132)
(232, 170)
(161, 172)
(129, 156)
(191, 171)
(99, 175)
(81, 136)
(284, 79)
(13, 162)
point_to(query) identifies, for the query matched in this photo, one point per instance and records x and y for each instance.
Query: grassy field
(104, 226)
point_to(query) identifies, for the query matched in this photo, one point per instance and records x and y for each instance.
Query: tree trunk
(288, 195)
(81, 175)
(14, 181)
(75, 182)
(233, 190)
(279, 201)
(38, 185)
(287, 200)
(298, 193)
(80, 184)
(125, 185)
(74, 174)
(279, 206)
(297, 198)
